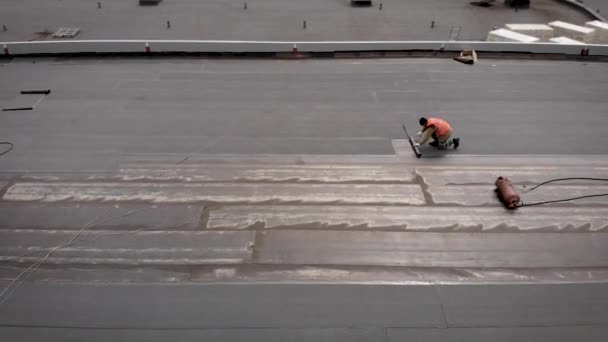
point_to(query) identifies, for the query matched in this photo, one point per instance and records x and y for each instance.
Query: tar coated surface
(294, 107)
(319, 223)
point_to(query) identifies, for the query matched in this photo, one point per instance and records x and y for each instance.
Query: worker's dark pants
(431, 133)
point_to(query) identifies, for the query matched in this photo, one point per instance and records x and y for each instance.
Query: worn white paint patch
(146, 247)
(482, 195)
(257, 172)
(518, 175)
(402, 147)
(506, 275)
(224, 273)
(412, 218)
(216, 192)
(374, 96)
(421, 249)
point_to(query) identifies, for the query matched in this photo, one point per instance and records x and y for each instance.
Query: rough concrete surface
(270, 19)
(389, 194)
(412, 218)
(600, 6)
(335, 107)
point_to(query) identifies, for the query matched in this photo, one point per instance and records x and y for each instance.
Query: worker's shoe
(444, 145)
(456, 142)
(434, 143)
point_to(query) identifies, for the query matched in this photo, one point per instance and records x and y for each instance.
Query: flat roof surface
(338, 106)
(599, 5)
(259, 200)
(269, 246)
(270, 19)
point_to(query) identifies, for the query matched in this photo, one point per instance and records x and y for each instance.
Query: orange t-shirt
(442, 126)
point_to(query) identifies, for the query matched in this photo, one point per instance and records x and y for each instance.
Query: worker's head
(423, 121)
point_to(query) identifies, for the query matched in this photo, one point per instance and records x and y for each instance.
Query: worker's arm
(426, 127)
(426, 135)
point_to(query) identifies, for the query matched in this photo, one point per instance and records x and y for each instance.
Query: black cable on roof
(522, 204)
(10, 147)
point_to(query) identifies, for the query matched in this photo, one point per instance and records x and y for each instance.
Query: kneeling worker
(438, 129)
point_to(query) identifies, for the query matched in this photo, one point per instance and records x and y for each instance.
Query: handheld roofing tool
(413, 143)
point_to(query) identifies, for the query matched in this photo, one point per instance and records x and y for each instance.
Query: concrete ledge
(273, 49)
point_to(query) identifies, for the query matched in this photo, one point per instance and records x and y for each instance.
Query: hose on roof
(10, 147)
(522, 204)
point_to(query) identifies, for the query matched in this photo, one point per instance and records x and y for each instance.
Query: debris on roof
(467, 56)
(149, 2)
(66, 32)
(483, 3)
